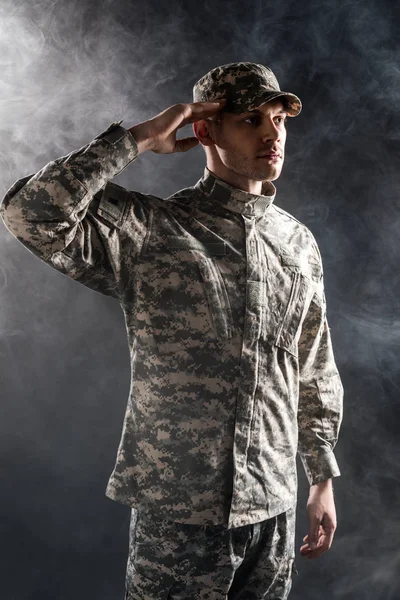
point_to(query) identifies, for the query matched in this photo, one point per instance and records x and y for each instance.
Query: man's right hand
(159, 133)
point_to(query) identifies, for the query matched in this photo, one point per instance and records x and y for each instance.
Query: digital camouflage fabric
(175, 561)
(232, 368)
(245, 86)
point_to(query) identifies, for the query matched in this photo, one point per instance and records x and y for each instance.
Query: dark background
(67, 70)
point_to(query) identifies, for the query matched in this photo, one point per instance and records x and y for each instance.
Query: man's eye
(256, 120)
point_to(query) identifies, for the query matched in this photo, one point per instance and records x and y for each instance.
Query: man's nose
(270, 132)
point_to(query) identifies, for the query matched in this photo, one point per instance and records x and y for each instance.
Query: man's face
(243, 140)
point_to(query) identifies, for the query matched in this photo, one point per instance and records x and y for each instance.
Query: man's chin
(269, 175)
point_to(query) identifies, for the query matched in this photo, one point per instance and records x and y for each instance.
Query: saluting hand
(159, 133)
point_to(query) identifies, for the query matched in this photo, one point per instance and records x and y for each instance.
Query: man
(232, 362)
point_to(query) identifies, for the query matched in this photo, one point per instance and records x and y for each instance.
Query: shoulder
(295, 226)
(183, 196)
(291, 220)
(298, 246)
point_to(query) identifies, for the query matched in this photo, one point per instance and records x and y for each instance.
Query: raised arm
(72, 217)
(62, 215)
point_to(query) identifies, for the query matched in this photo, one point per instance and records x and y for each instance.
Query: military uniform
(232, 368)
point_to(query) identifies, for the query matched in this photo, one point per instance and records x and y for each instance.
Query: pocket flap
(165, 244)
(215, 248)
(112, 204)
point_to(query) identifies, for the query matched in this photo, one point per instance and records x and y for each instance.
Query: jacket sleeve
(71, 216)
(320, 394)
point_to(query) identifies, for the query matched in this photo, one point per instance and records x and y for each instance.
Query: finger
(313, 532)
(199, 107)
(328, 537)
(321, 532)
(185, 144)
(202, 110)
(323, 546)
(305, 546)
(313, 539)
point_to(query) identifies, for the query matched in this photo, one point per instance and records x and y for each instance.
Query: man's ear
(202, 131)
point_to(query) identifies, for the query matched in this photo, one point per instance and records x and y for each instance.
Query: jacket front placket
(249, 371)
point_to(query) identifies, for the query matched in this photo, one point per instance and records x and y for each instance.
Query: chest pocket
(294, 292)
(183, 294)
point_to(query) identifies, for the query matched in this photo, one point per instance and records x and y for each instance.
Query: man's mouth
(270, 156)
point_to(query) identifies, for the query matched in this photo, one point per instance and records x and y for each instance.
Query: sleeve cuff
(115, 134)
(104, 158)
(320, 467)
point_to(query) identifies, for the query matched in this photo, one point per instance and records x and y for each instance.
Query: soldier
(232, 364)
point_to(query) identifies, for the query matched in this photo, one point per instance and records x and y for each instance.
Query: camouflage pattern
(232, 368)
(245, 86)
(182, 562)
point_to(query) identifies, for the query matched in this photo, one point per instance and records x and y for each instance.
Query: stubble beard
(246, 168)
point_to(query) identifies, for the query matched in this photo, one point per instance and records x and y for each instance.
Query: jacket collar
(233, 198)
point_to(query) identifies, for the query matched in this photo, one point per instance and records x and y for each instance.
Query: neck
(235, 179)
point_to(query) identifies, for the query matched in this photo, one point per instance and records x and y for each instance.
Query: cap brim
(292, 103)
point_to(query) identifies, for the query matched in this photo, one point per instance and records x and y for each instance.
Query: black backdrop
(70, 68)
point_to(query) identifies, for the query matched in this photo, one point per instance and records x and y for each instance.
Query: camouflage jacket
(232, 369)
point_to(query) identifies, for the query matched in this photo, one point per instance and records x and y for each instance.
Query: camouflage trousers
(175, 561)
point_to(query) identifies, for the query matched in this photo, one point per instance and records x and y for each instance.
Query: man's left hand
(322, 520)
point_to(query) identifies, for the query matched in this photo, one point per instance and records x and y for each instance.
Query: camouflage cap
(245, 85)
